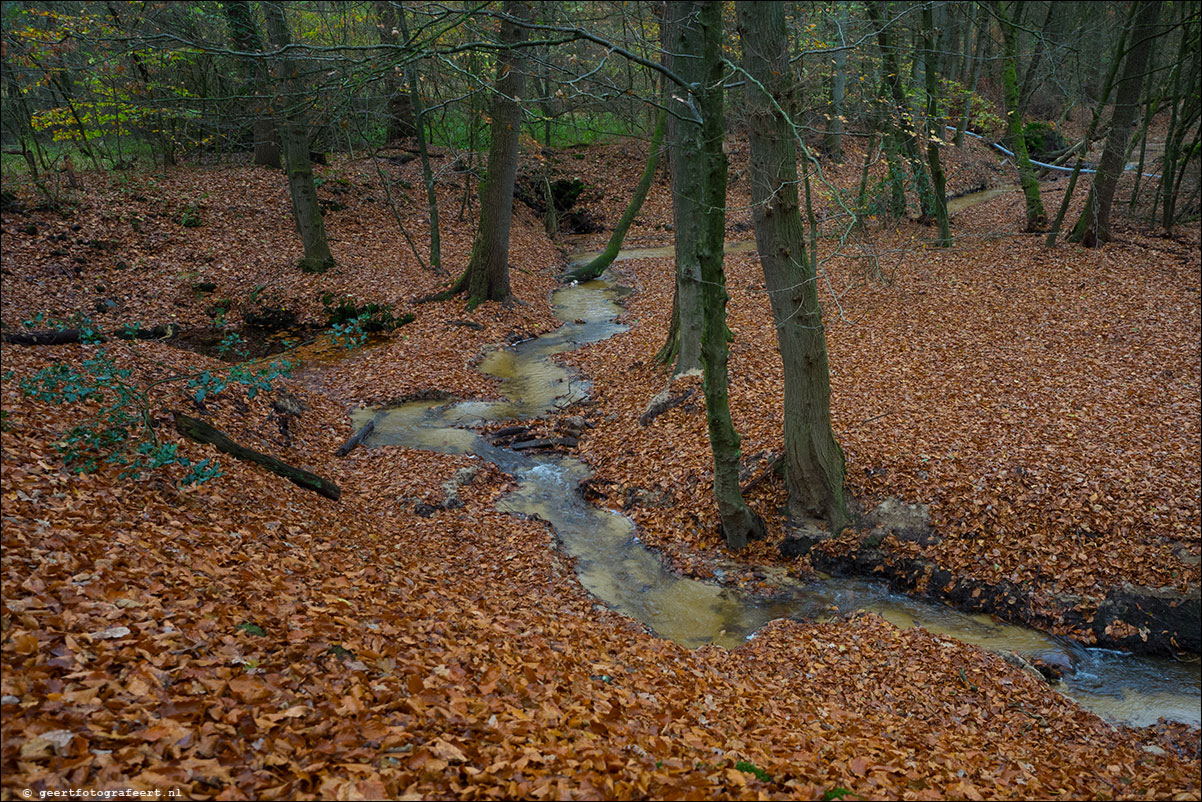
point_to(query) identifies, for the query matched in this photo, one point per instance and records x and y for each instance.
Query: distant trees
(878, 82)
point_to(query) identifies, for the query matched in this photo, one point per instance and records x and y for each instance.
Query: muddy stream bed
(615, 567)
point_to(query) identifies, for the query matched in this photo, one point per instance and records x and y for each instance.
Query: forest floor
(248, 639)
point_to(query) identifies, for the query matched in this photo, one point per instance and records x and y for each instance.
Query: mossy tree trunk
(487, 275)
(1037, 219)
(597, 266)
(814, 463)
(700, 192)
(681, 35)
(1093, 227)
(294, 137)
(903, 130)
(934, 125)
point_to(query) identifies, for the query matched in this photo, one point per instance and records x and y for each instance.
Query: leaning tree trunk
(1103, 99)
(680, 32)
(1037, 220)
(701, 192)
(814, 462)
(597, 266)
(295, 140)
(1093, 227)
(487, 275)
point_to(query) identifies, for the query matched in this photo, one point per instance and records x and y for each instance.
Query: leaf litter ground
(246, 639)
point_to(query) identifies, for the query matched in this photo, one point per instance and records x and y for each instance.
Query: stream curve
(614, 566)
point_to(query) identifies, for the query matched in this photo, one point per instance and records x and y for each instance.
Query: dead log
(357, 438)
(202, 432)
(509, 433)
(662, 403)
(67, 336)
(545, 442)
(772, 468)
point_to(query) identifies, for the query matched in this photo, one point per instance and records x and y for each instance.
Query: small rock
(9, 700)
(1153, 749)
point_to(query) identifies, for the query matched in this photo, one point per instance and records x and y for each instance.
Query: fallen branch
(545, 442)
(771, 469)
(662, 403)
(67, 336)
(357, 438)
(202, 432)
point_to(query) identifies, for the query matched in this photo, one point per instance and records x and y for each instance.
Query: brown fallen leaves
(246, 639)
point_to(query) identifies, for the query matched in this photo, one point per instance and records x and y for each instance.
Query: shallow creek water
(615, 567)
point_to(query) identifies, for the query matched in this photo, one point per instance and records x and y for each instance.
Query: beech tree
(487, 275)
(245, 34)
(294, 137)
(814, 463)
(680, 31)
(1036, 217)
(699, 197)
(1093, 226)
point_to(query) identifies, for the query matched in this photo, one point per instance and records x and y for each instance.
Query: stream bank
(613, 565)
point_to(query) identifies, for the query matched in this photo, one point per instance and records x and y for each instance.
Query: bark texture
(487, 274)
(294, 136)
(814, 462)
(1037, 219)
(1093, 227)
(701, 189)
(681, 36)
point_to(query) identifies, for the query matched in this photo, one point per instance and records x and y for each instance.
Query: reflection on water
(616, 568)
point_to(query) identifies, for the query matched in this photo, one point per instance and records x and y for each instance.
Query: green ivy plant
(122, 430)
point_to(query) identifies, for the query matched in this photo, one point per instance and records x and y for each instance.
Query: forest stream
(615, 567)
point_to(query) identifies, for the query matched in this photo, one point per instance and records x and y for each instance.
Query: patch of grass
(751, 768)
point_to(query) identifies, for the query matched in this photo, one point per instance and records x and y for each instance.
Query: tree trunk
(1093, 227)
(598, 265)
(700, 191)
(245, 34)
(424, 151)
(401, 119)
(832, 142)
(1036, 218)
(680, 28)
(903, 128)
(295, 140)
(814, 462)
(487, 274)
(934, 127)
(1103, 99)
